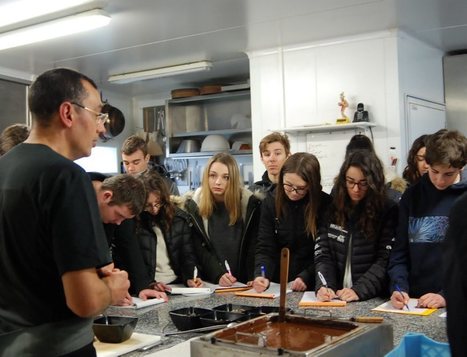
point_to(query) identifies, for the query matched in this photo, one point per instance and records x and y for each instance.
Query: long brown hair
(372, 204)
(154, 183)
(232, 196)
(411, 174)
(307, 167)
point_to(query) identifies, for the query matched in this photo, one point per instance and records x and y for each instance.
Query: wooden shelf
(206, 97)
(328, 127)
(207, 154)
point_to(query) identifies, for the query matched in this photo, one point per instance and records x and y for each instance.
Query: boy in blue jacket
(415, 266)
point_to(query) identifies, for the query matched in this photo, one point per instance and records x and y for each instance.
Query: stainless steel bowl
(188, 146)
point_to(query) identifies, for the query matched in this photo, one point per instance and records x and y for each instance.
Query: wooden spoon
(284, 276)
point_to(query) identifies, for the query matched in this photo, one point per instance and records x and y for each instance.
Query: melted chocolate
(294, 334)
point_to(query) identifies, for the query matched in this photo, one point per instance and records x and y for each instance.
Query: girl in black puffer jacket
(353, 252)
(164, 234)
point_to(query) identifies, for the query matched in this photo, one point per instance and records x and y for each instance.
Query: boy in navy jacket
(415, 266)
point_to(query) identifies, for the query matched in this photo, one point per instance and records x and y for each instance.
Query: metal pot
(188, 146)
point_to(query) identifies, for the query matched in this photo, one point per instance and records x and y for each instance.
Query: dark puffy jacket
(264, 185)
(369, 258)
(179, 246)
(288, 231)
(211, 266)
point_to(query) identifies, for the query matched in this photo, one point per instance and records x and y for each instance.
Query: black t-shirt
(49, 225)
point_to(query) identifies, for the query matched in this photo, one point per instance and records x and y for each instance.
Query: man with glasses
(55, 269)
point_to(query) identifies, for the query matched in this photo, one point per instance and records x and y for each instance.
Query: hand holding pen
(227, 279)
(399, 298)
(196, 282)
(325, 293)
(261, 283)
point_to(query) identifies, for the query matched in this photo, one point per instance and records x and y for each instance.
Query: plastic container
(114, 329)
(187, 318)
(418, 345)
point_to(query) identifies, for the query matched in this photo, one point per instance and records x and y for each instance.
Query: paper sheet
(140, 303)
(227, 289)
(178, 289)
(413, 309)
(309, 300)
(271, 293)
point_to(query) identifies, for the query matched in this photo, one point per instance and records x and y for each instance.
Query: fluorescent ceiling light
(160, 72)
(22, 10)
(64, 26)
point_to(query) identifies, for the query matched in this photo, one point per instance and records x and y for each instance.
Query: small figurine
(344, 119)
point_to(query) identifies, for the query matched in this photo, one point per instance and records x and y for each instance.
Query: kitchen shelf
(208, 154)
(210, 132)
(207, 97)
(329, 127)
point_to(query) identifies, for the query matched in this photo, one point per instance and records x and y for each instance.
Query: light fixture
(60, 27)
(160, 72)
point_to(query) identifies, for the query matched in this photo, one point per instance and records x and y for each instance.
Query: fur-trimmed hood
(195, 196)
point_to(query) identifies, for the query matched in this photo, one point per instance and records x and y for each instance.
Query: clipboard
(270, 293)
(227, 289)
(309, 300)
(414, 310)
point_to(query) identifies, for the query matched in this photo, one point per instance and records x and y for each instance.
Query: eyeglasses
(292, 188)
(362, 185)
(154, 206)
(101, 118)
(420, 158)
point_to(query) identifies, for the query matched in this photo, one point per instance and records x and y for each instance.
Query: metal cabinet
(194, 118)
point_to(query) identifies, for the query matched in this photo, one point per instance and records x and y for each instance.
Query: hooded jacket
(178, 240)
(416, 263)
(211, 266)
(369, 257)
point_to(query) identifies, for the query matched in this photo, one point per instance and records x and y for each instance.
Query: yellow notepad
(274, 291)
(413, 309)
(309, 300)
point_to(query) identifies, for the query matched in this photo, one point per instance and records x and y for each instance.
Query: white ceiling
(147, 34)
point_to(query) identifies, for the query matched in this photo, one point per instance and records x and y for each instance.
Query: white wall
(420, 70)
(300, 85)
(304, 82)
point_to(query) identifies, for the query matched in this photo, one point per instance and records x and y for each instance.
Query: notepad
(414, 310)
(309, 300)
(227, 289)
(178, 289)
(274, 291)
(140, 303)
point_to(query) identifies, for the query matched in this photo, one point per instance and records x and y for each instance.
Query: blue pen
(400, 292)
(263, 271)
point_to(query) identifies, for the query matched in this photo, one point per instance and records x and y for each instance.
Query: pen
(263, 271)
(323, 281)
(195, 273)
(227, 266)
(403, 298)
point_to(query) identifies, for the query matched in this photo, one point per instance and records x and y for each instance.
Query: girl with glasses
(225, 217)
(291, 218)
(164, 236)
(353, 251)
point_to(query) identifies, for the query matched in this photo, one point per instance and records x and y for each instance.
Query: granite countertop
(156, 320)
